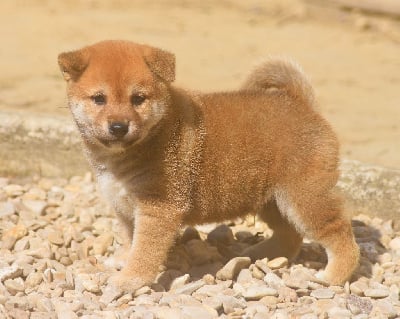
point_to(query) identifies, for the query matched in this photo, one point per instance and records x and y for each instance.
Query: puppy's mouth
(118, 143)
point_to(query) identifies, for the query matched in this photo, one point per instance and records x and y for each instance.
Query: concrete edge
(33, 144)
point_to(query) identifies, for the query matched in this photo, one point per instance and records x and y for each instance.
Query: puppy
(166, 157)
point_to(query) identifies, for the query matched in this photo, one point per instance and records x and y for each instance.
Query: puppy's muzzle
(118, 129)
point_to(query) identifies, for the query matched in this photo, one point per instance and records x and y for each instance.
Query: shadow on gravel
(199, 254)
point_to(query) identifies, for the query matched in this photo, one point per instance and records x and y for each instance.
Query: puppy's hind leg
(318, 214)
(285, 240)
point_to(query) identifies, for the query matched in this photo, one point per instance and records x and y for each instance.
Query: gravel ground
(57, 234)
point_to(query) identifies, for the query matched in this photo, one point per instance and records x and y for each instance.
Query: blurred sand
(353, 60)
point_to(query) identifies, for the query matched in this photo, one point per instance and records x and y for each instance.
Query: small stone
(44, 304)
(165, 312)
(17, 302)
(13, 190)
(256, 292)
(7, 209)
(376, 293)
(189, 234)
(209, 279)
(35, 206)
(213, 302)
(86, 219)
(14, 285)
(193, 312)
(384, 307)
(110, 293)
(269, 300)
(277, 263)
(358, 288)
(394, 244)
(296, 283)
(337, 312)
(222, 234)
(34, 279)
(41, 253)
(102, 243)
(142, 291)
(287, 294)
(385, 258)
(180, 281)
(22, 244)
(245, 276)
(233, 267)
(12, 235)
(211, 290)
(48, 275)
(166, 278)
(262, 265)
(17, 313)
(143, 300)
(230, 303)
(188, 289)
(10, 272)
(273, 280)
(359, 305)
(63, 311)
(257, 273)
(91, 286)
(323, 293)
(56, 238)
(123, 300)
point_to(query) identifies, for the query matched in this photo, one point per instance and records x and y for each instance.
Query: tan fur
(191, 158)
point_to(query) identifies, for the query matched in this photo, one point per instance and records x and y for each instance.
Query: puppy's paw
(115, 262)
(324, 278)
(126, 283)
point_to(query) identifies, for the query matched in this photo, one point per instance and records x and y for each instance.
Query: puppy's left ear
(72, 64)
(160, 62)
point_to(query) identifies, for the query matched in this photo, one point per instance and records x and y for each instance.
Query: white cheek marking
(78, 111)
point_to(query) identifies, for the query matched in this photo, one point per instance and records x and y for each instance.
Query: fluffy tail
(281, 74)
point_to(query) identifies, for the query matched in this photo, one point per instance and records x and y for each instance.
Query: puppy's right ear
(72, 64)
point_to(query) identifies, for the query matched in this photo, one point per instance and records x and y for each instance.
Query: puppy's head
(117, 90)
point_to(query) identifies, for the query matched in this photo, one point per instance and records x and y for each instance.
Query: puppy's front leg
(155, 231)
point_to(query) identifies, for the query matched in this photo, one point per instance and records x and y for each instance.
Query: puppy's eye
(137, 100)
(99, 99)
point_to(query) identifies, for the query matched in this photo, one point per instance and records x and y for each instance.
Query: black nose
(118, 129)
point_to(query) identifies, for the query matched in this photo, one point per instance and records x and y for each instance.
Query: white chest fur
(115, 193)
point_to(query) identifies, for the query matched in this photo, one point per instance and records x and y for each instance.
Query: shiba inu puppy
(166, 157)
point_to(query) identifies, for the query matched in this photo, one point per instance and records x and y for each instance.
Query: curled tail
(281, 74)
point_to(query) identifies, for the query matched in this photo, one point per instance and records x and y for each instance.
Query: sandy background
(352, 58)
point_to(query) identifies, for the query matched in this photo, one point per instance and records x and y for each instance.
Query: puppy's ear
(72, 64)
(160, 62)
